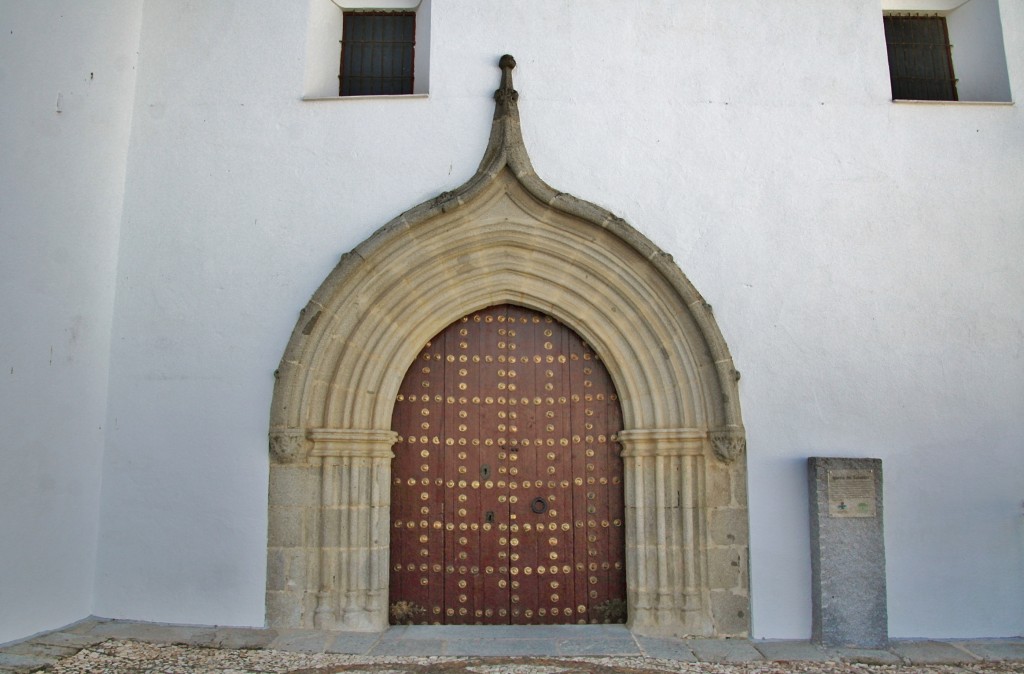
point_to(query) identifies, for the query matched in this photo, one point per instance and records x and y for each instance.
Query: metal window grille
(920, 58)
(377, 52)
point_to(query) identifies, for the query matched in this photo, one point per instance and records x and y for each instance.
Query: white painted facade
(67, 82)
(159, 234)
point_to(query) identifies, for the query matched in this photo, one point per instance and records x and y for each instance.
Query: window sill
(917, 102)
(365, 98)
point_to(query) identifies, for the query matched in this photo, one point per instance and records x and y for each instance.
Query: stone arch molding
(507, 237)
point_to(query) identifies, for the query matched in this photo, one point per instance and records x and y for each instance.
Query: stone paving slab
(418, 647)
(994, 649)
(868, 656)
(86, 625)
(156, 633)
(355, 644)
(301, 641)
(723, 650)
(931, 652)
(505, 640)
(69, 639)
(36, 649)
(454, 632)
(15, 662)
(596, 646)
(499, 647)
(668, 649)
(243, 637)
(794, 651)
(96, 645)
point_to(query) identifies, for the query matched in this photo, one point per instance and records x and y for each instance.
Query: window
(382, 46)
(377, 53)
(946, 50)
(920, 63)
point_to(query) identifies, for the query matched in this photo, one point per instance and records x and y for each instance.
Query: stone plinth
(847, 553)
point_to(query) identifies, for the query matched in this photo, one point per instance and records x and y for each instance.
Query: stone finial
(505, 146)
(505, 93)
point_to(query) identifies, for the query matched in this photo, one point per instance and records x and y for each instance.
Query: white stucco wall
(862, 258)
(67, 74)
(978, 50)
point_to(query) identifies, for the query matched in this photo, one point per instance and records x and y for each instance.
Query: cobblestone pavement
(119, 647)
(134, 657)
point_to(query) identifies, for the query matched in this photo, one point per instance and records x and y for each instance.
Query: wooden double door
(506, 493)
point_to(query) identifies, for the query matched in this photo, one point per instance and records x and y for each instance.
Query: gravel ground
(131, 657)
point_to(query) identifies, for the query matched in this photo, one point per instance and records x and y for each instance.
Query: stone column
(354, 534)
(325, 616)
(665, 534)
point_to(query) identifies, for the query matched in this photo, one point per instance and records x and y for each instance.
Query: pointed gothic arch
(507, 237)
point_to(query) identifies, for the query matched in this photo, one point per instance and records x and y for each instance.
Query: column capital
(728, 443)
(372, 443)
(287, 445)
(662, 441)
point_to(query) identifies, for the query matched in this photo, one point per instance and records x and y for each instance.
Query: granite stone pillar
(847, 553)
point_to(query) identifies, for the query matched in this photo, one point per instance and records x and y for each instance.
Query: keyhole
(489, 517)
(485, 471)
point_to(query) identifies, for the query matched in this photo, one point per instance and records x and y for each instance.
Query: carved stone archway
(507, 237)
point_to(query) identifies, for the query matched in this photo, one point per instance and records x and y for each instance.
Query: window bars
(920, 58)
(377, 53)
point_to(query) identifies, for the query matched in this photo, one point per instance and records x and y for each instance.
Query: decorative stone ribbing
(353, 532)
(665, 536)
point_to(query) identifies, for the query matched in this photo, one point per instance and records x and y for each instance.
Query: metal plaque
(851, 493)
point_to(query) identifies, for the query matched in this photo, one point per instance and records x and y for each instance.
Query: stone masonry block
(727, 526)
(731, 613)
(727, 568)
(276, 569)
(294, 485)
(296, 569)
(287, 527)
(284, 609)
(718, 487)
(286, 569)
(332, 532)
(739, 487)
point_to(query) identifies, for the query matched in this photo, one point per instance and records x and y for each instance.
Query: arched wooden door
(506, 493)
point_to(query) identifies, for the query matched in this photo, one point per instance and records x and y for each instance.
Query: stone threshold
(43, 650)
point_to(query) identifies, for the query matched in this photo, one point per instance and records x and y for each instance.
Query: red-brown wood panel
(507, 486)
(493, 513)
(418, 517)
